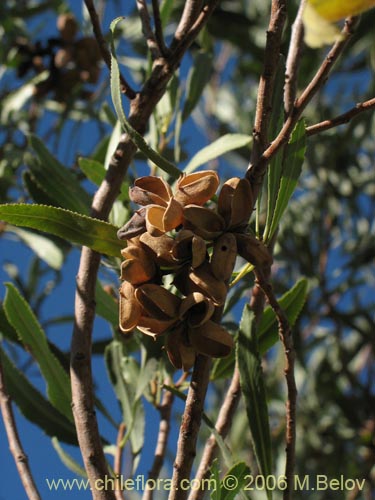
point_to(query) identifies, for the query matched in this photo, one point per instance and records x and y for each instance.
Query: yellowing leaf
(334, 10)
(319, 16)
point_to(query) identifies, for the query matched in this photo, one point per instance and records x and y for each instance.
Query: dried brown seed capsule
(211, 339)
(135, 226)
(204, 222)
(67, 26)
(130, 310)
(189, 246)
(197, 188)
(235, 202)
(205, 281)
(196, 308)
(224, 256)
(179, 353)
(158, 302)
(253, 250)
(159, 248)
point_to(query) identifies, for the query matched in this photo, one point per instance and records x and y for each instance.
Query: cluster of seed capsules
(176, 232)
(72, 61)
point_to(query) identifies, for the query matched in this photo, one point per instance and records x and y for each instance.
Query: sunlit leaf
(67, 459)
(23, 320)
(75, 228)
(291, 170)
(44, 248)
(291, 302)
(199, 74)
(34, 406)
(224, 144)
(254, 393)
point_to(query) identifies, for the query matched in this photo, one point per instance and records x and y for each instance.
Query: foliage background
(327, 234)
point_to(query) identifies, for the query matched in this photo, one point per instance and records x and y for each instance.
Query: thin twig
(147, 30)
(181, 46)
(267, 79)
(257, 170)
(159, 29)
(161, 446)
(293, 61)
(117, 463)
(286, 338)
(191, 420)
(223, 425)
(190, 14)
(124, 85)
(341, 119)
(14, 441)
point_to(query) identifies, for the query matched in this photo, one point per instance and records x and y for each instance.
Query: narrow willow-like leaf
(123, 372)
(291, 302)
(67, 459)
(277, 119)
(45, 248)
(95, 172)
(215, 476)
(106, 306)
(199, 75)
(60, 184)
(37, 194)
(254, 393)
(291, 171)
(6, 329)
(23, 320)
(34, 406)
(75, 228)
(138, 140)
(241, 472)
(224, 144)
(15, 100)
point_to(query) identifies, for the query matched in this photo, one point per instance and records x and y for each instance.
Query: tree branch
(159, 29)
(293, 61)
(286, 338)
(124, 85)
(190, 426)
(161, 447)
(257, 170)
(147, 30)
(192, 33)
(341, 119)
(117, 465)
(223, 425)
(267, 79)
(14, 441)
(189, 16)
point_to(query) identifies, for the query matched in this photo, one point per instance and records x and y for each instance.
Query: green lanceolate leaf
(23, 320)
(60, 184)
(34, 406)
(67, 459)
(292, 162)
(224, 144)
(44, 248)
(124, 371)
(291, 302)
(276, 122)
(75, 228)
(138, 140)
(254, 393)
(95, 172)
(199, 75)
(106, 306)
(231, 487)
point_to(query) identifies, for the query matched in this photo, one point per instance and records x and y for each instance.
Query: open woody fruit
(177, 232)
